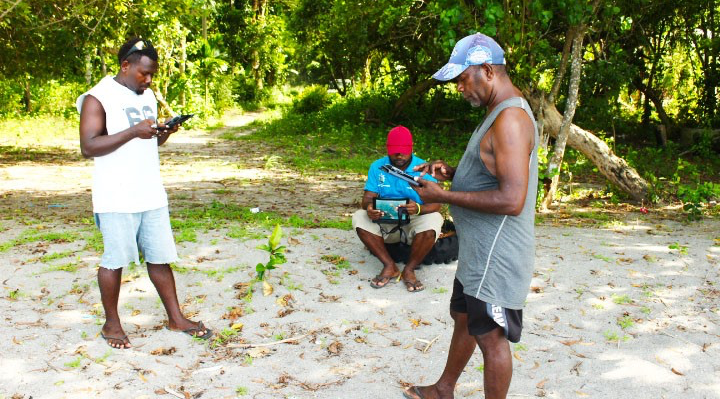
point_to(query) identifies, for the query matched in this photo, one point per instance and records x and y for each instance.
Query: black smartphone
(177, 120)
(401, 174)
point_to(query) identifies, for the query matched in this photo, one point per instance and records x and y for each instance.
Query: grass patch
(621, 299)
(337, 260)
(94, 241)
(219, 274)
(55, 255)
(70, 267)
(37, 235)
(217, 214)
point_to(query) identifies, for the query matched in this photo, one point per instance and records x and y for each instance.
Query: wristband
(418, 212)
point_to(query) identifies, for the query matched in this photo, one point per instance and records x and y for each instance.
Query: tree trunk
(27, 97)
(103, 65)
(88, 68)
(610, 165)
(571, 104)
(544, 137)
(181, 67)
(653, 96)
(259, 19)
(413, 91)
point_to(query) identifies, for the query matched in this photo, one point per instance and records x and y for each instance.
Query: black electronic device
(392, 212)
(176, 121)
(401, 174)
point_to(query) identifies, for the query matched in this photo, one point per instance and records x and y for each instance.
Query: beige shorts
(418, 224)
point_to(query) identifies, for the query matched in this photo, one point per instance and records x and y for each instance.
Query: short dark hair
(127, 52)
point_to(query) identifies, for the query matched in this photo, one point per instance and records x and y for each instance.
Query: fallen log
(610, 165)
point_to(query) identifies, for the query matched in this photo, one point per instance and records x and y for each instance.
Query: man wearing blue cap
(492, 201)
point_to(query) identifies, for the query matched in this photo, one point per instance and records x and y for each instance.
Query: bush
(312, 99)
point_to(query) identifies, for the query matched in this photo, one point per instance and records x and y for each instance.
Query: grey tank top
(497, 252)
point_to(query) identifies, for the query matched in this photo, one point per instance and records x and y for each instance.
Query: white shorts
(418, 224)
(126, 234)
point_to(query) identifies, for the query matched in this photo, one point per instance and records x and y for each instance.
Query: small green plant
(598, 306)
(579, 291)
(621, 299)
(272, 162)
(612, 336)
(222, 337)
(104, 357)
(276, 251)
(439, 290)
(337, 260)
(626, 322)
(288, 283)
(645, 310)
(682, 249)
(480, 368)
(602, 257)
(520, 347)
(75, 363)
(241, 391)
(248, 360)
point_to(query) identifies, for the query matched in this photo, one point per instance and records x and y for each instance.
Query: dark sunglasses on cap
(139, 46)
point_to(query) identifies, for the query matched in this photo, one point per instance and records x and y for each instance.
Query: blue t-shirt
(388, 186)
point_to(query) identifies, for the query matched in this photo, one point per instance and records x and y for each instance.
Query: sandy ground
(627, 309)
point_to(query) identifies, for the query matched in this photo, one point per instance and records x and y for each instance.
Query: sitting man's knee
(426, 233)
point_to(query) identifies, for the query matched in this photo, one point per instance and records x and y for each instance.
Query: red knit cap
(399, 140)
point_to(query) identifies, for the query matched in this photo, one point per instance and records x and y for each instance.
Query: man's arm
(512, 142)
(94, 140)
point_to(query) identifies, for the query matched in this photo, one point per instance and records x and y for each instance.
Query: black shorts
(484, 317)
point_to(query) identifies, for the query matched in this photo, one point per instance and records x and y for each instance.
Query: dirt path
(626, 308)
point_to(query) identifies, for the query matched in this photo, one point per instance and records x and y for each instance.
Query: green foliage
(276, 252)
(312, 99)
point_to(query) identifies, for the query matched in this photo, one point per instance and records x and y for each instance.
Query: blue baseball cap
(476, 49)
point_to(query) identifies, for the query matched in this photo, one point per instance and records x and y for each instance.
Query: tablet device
(177, 120)
(389, 206)
(401, 174)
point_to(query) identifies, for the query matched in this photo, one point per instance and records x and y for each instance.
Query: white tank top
(128, 179)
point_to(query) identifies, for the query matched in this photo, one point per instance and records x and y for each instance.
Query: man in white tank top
(118, 128)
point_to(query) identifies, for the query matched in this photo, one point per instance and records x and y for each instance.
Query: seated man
(425, 220)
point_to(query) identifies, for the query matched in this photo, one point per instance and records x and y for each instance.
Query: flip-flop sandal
(383, 281)
(414, 390)
(192, 331)
(416, 286)
(124, 341)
